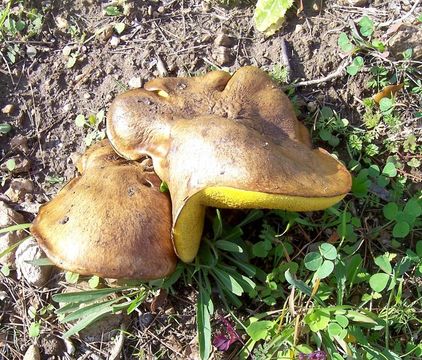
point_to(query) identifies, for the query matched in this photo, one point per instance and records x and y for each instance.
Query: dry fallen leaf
(387, 92)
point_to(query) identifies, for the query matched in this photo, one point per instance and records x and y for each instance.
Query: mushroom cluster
(215, 140)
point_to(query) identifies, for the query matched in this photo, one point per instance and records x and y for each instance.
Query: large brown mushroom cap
(111, 221)
(239, 147)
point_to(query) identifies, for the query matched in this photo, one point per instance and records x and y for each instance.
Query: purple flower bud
(221, 342)
(318, 355)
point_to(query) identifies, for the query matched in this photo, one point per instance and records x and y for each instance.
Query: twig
(285, 59)
(404, 17)
(329, 77)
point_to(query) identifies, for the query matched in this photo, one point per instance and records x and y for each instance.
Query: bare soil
(161, 38)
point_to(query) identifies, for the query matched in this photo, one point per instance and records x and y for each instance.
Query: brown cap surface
(111, 221)
(224, 141)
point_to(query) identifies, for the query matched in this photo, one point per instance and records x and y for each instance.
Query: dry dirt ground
(175, 38)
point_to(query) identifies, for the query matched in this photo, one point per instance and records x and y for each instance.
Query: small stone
(62, 23)
(33, 353)
(105, 33)
(8, 109)
(67, 50)
(70, 348)
(223, 55)
(9, 217)
(312, 106)
(161, 67)
(114, 41)
(67, 108)
(18, 189)
(135, 82)
(223, 40)
(35, 275)
(19, 142)
(298, 28)
(31, 51)
(161, 9)
(87, 96)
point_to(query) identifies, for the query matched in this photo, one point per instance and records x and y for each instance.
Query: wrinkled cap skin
(111, 221)
(224, 141)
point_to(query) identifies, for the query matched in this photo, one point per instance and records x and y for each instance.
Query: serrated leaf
(344, 43)
(269, 14)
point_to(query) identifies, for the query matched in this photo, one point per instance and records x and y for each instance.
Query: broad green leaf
(366, 26)
(325, 269)
(383, 261)
(401, 229)
(34, 329)
(378, 282)
(229, 282)
(344, 43)
(342, 320)
(71, 277)
(269, 14)
(334, 329)
(328, 251)
(94, 281)
(260, 330)
(355, 66)
(390, 211)
(313, 261)
(113, 11)
(386, 105)
(389, 169)
(419, 248)
(413, 207)
(317, 319)
(228, 246)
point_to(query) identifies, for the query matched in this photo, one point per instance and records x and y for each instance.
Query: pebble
(62, 23)
(135, 82)
(312, 106)
(87, 96)
(161, 67)
(9, 217)
(33, 353)
(223, 40)
(222, 55)
(35, 275)
(8, 109)
(114, 41)
(18, 189)
(67, 108)
(67, 50)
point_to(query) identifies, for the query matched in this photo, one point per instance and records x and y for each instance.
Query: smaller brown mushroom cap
(111, 221)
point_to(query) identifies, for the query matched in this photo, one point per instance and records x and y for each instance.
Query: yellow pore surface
(189, 225)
